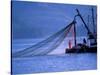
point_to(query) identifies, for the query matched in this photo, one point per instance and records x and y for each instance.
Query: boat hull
(82, 50)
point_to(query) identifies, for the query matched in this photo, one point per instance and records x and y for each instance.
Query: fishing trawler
(89, 46)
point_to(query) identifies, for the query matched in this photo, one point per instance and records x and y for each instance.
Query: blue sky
(37, 20)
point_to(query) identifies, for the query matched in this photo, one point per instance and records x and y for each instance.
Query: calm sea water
(56, 61)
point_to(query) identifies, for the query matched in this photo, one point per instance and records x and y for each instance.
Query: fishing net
(45, 46)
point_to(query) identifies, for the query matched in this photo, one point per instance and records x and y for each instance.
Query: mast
(93, 20)
(74, 34)
(74, 24)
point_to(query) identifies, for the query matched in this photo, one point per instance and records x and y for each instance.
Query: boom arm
(89, 32)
